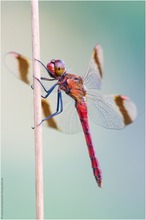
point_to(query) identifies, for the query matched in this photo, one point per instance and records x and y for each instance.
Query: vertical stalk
(37, 112)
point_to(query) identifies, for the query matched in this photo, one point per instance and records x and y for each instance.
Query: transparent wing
(68, 120)
(21, 67)
(94, 73)
(111, 111)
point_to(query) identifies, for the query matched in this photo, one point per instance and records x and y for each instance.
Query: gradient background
(69, 30)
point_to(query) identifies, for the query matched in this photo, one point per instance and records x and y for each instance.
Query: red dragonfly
(109, 111)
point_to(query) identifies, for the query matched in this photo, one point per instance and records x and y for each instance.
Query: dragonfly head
(56, 68)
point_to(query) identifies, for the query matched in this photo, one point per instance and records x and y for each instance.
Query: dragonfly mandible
(109, 111)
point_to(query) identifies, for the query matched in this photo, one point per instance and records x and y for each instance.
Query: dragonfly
(78, 99)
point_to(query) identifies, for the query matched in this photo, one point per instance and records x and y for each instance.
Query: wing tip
(127, 108)
(98, 58)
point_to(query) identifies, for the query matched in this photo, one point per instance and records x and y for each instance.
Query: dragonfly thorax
(56, 68)
(73, 86)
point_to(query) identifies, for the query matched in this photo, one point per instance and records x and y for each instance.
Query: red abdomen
(83, 115)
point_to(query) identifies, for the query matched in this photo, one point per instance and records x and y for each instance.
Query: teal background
(69, 30)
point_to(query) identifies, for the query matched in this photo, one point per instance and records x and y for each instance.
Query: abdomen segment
(83, 115)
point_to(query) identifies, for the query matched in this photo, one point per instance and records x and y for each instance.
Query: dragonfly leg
(47, 79)
(59, 108)
(40, 84)
(47, 91)
(42, 64)
(45, 68)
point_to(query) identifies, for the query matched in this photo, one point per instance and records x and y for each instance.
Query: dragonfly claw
(35, 77)
(33, 127)
(32, 87)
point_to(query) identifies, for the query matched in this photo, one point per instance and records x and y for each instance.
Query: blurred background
(69, 31)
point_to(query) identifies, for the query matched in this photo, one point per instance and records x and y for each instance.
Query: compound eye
(59, 67)
(50, 67)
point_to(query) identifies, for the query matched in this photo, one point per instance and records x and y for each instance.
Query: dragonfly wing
(68, 121)
(20, 66)
(94, 73)
(111, 111)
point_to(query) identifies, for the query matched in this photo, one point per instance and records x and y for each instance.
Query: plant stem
(37, 112)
